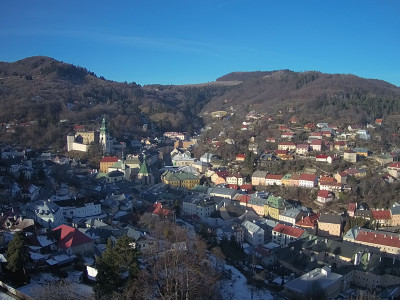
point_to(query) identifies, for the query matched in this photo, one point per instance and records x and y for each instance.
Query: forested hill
(43, 91)
(312, 94)
(48, 97)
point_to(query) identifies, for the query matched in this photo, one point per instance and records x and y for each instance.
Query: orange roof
(327, 179)
(288, 230)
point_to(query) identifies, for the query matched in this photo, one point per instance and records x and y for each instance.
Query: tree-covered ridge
(49, 97)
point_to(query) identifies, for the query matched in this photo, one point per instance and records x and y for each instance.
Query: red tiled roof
(352, 207)
(241, 156)
(246, 186)
(109, 159)
(395, 165)
(242, 198)
(316, 133)
(288, 133)
(378, 238)
(222, 174)
(308, 177)
(316, 143)
(324, 194)
(321, 156)
(302, 146)
(274, 176)
(160, 211)
(289, 230)
(280, 152)
(381, 214)
(70, 237)
(325, 179)
(309, 221)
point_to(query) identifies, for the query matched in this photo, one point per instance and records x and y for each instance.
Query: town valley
(259, 185)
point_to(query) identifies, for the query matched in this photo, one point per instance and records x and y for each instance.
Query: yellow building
(273, 206)
(180, 179)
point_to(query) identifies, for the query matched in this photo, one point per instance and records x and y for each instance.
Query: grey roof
(303, 283)
(261, 174)
(291, 213)
(223, 191)
(257, 201)
(352, 233)
(395, 210)
(328, 218)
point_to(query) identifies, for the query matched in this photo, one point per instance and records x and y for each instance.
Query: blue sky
(177, 42)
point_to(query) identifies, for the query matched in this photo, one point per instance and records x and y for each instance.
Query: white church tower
(104, 138)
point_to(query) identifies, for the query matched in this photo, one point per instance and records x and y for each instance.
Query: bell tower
(104, 138)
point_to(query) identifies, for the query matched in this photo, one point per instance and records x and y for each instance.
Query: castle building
(82, 138)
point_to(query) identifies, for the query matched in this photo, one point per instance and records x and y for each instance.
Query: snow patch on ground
(237, 288)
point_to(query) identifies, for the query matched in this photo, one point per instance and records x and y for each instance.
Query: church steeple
(103, 128)
(104, 137)
(143, 168)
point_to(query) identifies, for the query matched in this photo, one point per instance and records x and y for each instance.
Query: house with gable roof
(325, 196)
(258, 178)
(283, 234)
(308, 180)
(382, 217)
(394, 169)
(48, 214)
(273, 179)
(72, 240)
(253, 234)
(107, 162)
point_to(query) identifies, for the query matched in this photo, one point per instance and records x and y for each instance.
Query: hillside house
(258, 178)
(287, 146)
(235, 179)
(302, 149)
(240, 157)
(308, 180)
(350, 156)
(325, 196)
(394, 169)
(316, 145)
(382, 217)
(273, 179)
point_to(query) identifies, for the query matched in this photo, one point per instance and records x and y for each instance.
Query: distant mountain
(313, 95)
